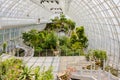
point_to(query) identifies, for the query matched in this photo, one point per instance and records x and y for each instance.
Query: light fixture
(51, 1)
(47, 1)
(42, 1)
(57, 2)
(61, 9)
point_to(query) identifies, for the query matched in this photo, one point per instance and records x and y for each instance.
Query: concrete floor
(71, 61)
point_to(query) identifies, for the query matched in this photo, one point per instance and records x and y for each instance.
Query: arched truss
(22, 9)
(101, 19)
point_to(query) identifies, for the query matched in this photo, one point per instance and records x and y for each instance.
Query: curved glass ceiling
(101, 18)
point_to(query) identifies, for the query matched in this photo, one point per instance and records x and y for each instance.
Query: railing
(96, 74)
(59, 52)
(29, 52)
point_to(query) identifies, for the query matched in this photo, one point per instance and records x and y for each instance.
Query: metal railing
(96, 74)
(59, 52)
(29, 52)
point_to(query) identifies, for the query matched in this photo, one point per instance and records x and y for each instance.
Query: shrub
(14, 69)
(112, 70)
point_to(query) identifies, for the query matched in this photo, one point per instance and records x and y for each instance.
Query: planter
(56, 53)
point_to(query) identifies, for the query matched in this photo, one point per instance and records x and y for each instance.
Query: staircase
(29, 52)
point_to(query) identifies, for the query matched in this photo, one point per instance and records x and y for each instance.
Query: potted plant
(66, 75)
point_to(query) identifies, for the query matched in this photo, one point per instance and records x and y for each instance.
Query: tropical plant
(99, 56)
(25, 74)
(73, 42)
(112, 70)
(10, 69)
(79, 40)
(14, 69)
(62, 23)
(82, 38)
(64, 40)
(73, 38)
(46, 75)
(31, 38)
(51, 41)
(37, 73)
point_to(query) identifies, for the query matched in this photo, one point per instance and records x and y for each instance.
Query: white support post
(94, 65)
(90, 67)
(104, 65)
(3, 34)
(99, 74)
(10, 41)
(109, 74)
(81, 70)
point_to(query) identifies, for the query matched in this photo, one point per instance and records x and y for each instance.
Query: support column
(99, 74)
(109, 74)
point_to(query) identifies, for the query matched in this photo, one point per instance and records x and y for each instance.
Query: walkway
(59, 64)
(78, 62)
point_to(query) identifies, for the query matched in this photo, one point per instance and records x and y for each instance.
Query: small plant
(4, 47)
(112, 70)
(99, 56)
(25, 74)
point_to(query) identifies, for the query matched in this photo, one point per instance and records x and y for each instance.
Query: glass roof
(101, 18)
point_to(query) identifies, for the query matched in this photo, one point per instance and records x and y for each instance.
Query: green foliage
(74, 41)
(76, 45)
(97, 55)
(37, 73)
(64, 41)
(89, 55)
(71, 24)
(40, 40)
(4, 47)
(51, 41)
(112, 70)
(46, 75)
(13, 69)
(64, 49)
(100, 54)
(25, 74)
(31, 38)
(81, 36)
(73, 38)
(79, 40)
(61, 23)
(9, 69)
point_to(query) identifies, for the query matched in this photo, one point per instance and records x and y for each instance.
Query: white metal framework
(101, 19)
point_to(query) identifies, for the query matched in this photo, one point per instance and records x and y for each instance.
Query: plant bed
(15, 69)
(112, 70)
(72, 43)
